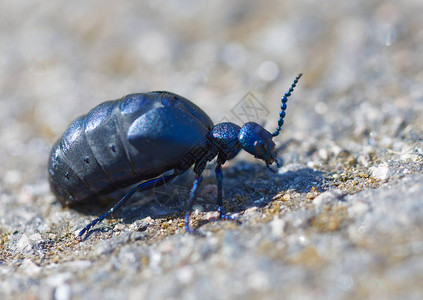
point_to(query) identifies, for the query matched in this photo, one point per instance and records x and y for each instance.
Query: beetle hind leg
(139, 188)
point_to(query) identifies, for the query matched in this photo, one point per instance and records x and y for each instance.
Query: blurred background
(58, 60)
(361, 93)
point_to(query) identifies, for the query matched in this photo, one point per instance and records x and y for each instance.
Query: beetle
(139, 138)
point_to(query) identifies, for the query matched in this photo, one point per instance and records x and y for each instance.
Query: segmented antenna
(283, 105)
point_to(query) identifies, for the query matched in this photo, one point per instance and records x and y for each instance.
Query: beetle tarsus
(186, 223)
(223, 216)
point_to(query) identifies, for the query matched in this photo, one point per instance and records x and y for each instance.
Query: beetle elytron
(140, 137)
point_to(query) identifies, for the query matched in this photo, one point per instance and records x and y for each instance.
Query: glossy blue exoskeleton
(142, 136)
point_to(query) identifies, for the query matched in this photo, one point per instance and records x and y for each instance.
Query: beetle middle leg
(139, 188)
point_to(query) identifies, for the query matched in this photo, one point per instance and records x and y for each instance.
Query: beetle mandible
(140, 137)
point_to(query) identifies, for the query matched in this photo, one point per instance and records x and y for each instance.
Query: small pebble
(278, 226)
(380, 172)
(328, 197)
(24, 244)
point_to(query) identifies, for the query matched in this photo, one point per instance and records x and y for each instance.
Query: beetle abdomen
(121, 142)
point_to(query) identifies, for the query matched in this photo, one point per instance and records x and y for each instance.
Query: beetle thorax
(224, 137)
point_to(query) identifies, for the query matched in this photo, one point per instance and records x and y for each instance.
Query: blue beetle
(139, 138)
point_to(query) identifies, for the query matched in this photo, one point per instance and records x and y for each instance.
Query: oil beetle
(140, 137)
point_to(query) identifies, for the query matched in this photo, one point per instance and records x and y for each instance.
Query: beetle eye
(259, 148)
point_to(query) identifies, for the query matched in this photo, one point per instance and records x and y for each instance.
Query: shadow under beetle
(140, 137)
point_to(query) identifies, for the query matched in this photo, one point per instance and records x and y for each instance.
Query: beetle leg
(189, 204)
(219, 177)
(139, 188)
(270, 168)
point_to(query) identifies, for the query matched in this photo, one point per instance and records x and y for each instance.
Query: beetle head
(258, 141)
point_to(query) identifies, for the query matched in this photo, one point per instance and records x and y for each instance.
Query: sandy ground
(342, 219)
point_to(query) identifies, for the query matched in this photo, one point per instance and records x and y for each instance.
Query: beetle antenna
(283, 105)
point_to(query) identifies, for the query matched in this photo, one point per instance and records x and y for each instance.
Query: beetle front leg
(219, 177)
(190, 203)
